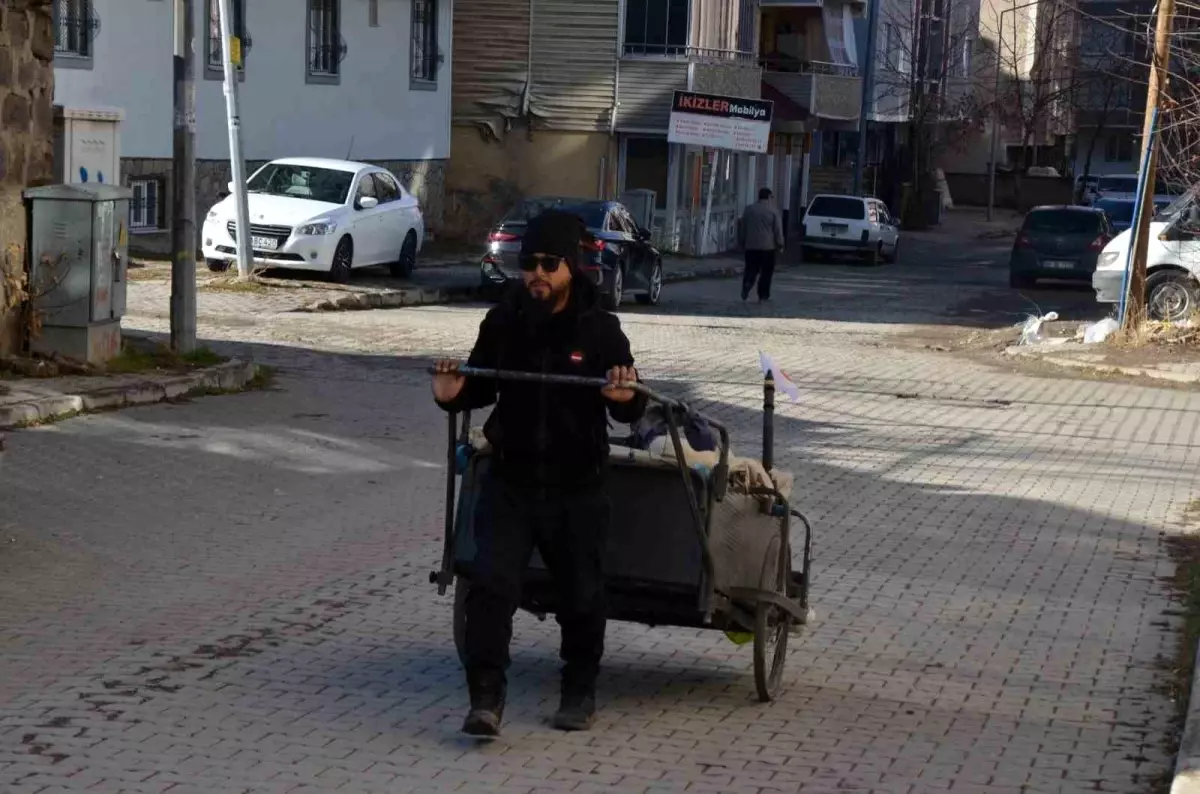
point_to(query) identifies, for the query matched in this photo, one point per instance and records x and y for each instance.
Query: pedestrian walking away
(761, 233)
(550, 452)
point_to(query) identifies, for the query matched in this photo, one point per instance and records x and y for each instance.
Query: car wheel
(612, 301)
(1171, 295)
(404, 266)
(652, 295)
(343, 261)
(894, 256)
(217, 265)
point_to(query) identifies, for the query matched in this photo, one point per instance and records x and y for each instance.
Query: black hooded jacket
(548, 435)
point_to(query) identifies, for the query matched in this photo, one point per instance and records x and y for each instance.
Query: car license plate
(264, 243)
(1059, 264)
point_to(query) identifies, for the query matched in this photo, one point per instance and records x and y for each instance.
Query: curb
(1187, 760)
(230, 376)
(361, 301)
(1106, 369)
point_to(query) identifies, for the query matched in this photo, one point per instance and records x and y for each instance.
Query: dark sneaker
(482, 722)
(745, 293)
(576, 712)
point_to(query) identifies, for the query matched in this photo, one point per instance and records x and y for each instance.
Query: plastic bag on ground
(1031, 329)
(1099, 331)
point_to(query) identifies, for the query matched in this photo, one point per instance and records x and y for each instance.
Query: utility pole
(232, 57)
(1135, 299)
(868, 93)
(183, 184)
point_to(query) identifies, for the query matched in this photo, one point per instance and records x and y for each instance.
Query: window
(1118, 149)
(214, 68)
(897, 52)
(366, 189)
(73, 28)
(838, 207)
(301, 181)
(386, 187)
(424, 43)
(324, 41)
(656, 27)
(145, 208)
(1064, 221)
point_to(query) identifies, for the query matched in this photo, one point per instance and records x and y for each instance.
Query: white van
(1172, 262)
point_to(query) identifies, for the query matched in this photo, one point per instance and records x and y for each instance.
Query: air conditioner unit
(640, 203)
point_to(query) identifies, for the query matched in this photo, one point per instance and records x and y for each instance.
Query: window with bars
(424, 42)
(214, 54)
(145, 207)
(324, 41)
(73, 28)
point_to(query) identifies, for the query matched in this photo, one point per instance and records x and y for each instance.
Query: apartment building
(362, 79)
(573, 97)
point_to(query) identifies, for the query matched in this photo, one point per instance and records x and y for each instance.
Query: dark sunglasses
(549, 264)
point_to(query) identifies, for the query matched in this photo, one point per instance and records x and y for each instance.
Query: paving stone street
(231, 594)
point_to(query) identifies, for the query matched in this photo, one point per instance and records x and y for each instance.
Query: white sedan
(316, 214)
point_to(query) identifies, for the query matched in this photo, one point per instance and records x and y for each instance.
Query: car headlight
(1107, 259)
(318, 228)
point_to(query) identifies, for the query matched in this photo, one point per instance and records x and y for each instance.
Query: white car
(850, 224)
(1172, 263)
(316, 214)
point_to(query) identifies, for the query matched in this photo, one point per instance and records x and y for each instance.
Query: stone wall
(26, 130)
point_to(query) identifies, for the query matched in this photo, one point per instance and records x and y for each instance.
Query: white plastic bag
(1031, 329)
(1099, 331)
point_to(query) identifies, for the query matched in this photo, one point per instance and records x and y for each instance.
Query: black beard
(537, 311)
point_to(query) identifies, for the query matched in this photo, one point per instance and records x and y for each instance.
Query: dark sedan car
(1120, 211)
(622, 260)
(1060, 243)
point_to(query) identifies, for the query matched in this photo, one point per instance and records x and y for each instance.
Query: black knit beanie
(556, 233)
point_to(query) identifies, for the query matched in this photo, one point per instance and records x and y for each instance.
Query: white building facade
(366, 80)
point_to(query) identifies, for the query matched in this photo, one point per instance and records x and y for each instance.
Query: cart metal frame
(772, 611)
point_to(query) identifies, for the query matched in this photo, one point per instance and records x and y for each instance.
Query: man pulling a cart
(550, 451)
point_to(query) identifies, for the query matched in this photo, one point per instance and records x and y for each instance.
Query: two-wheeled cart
(685, 548)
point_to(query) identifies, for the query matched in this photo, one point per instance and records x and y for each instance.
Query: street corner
(32, 401)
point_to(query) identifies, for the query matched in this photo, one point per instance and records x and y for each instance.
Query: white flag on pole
(782, 381)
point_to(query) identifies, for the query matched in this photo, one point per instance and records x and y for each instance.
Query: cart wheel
(461, 588)
(770, 631)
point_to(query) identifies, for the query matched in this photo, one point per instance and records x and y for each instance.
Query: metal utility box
(641, 202)
(87, 145)
(77, 263)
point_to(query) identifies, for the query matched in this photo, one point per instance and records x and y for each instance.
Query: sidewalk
(219, 295)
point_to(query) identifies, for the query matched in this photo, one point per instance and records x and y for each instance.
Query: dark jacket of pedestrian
(548, 434)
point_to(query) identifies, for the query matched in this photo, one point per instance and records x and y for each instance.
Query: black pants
(760, 267)
(569, 528)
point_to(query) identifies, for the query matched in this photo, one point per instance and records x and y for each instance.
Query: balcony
(828, 90)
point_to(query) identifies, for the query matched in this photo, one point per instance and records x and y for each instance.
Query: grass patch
(264, 378)
(139, 358)
(233, 285)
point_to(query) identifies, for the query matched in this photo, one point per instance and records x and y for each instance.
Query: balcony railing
(827, 90)
(684, 53)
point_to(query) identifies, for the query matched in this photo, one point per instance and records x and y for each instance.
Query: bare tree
(1179, 115)
(927, 51)
(1036, 53)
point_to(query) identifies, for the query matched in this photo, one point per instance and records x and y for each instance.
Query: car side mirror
(368, 203)
(643, 233)
(229, 185)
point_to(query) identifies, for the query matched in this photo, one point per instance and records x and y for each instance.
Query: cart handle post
(445, 576)
(768, 438)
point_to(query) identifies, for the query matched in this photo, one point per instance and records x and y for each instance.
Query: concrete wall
(26, 129)
(971, 190)
(486, 177)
